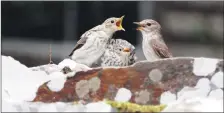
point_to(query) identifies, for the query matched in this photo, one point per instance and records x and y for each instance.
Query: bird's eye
(148, 24)
(120, 49)
(112, 21)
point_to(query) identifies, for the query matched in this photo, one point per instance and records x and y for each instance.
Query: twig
(50, 55)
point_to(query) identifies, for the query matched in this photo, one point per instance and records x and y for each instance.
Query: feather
(160, 48)
(83, 38)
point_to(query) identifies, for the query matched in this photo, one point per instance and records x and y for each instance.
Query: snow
(67, 62)
(98, 107)
(123, 95)
(73, 65)
(75, 108)
(203, 86)
(19, 81)
(47, 108)
(195, 104)
(218, 94)
(217, 79)
(48, 68)
(167, 97)
(201, 89)
(7, 106)
(187, 93)
(204, 66)
(57, 81)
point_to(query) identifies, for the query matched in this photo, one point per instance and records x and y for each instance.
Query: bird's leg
(50, 55)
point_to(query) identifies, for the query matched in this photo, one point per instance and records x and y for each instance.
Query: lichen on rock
(155, 75)
(94, 84)
(142, 97)
(132, 107)
(82, 88)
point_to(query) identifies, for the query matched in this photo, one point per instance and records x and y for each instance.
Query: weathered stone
(176, 74)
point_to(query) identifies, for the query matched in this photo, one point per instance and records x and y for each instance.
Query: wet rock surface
(146, 81)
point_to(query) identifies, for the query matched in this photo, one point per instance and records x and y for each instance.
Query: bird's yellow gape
(119, 24)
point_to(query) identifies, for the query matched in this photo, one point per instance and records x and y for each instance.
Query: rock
(150, 78)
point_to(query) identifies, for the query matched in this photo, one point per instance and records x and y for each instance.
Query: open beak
(140, 26)
(126, 49)
(119, 23)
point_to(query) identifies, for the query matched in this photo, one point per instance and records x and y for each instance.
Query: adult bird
(93, 42)
(153, 45)
(119, 52)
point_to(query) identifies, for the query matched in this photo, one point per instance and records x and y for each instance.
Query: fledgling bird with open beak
(119, 52)
(93, 42)
(153, 45)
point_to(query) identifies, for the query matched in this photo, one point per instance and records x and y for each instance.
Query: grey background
(193, 28)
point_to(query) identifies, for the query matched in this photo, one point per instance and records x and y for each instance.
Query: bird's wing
(83, 39)
(160, 48)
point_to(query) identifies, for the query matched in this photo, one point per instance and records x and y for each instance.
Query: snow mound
(73, 65)
(20, 82)
(57, 81)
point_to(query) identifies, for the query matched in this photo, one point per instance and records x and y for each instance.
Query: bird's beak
(126, 49)
(140, 26)
(119, 24)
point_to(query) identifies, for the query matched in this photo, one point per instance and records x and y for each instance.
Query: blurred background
(193, 28)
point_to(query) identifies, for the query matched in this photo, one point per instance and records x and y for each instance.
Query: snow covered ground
(20, 83)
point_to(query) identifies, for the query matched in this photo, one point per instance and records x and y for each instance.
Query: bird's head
(114, 24)
(148, 25)
(124, 51)
(128, 54)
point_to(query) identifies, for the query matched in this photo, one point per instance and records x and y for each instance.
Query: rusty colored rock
(173, 75)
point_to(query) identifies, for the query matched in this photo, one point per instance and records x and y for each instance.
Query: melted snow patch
(123, 95)
(218, 94)
(217, 79)
(57, 81)
(167, 97)
(204, 66)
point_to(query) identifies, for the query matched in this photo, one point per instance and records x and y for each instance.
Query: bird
(153, 45)
(93, 42)
(119, 52)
